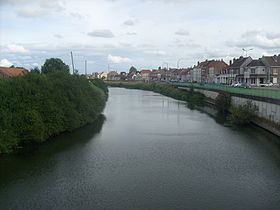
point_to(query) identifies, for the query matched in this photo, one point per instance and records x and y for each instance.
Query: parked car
(245, 85)
(238, 84)
(266, 84)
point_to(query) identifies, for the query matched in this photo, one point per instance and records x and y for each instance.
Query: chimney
(230, 62)
(198, 63)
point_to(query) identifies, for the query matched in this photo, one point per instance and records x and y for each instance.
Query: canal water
(147, 152)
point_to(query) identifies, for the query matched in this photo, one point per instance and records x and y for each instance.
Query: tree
(35, 70)
(132, 69)
(54, 65)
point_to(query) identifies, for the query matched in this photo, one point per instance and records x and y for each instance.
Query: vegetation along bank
(43, 104)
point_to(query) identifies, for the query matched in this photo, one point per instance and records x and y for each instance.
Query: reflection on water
(151, 152)
(37, 158)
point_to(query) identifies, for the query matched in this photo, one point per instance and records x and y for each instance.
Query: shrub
(223, 103)
(243, 114)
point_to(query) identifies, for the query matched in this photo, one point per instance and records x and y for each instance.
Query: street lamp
(179, 60)
(247, 50)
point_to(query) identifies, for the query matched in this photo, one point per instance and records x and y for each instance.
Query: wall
(267, 110)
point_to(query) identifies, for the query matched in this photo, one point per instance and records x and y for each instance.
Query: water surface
(151, 152)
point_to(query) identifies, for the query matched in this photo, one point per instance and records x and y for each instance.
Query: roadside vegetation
(243, 114)
(38, 106)
(236, 115)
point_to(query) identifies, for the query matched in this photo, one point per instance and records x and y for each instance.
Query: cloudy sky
(143, 33)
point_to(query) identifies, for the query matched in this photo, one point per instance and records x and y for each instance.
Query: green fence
(265, 92)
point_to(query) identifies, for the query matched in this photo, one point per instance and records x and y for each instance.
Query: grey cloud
(30, 13)
(102, 33)
(257, 38)
(131, 33)
(182, 32)
(58, 36)
(129, 22)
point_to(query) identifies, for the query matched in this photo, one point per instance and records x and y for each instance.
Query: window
(253, 71)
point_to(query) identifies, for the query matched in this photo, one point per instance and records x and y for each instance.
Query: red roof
(12, 72)
(145, 71)
(156, 71)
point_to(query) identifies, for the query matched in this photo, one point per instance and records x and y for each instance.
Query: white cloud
(33, 8)
(157, 52)
(5, 63)
(14, 48)
(102, 33)
(118, 59)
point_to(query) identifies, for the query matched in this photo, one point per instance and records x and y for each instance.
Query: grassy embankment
(36, 107)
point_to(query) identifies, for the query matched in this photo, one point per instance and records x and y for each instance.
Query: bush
(223, 103)
(244, 114)
(38, 106)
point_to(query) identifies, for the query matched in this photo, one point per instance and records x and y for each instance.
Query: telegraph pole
(86, 67)
(72, 62)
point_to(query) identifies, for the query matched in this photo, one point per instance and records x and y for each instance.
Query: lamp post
(247, 50)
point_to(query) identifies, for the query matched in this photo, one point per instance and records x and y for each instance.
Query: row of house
(252, 71)
(243, 69)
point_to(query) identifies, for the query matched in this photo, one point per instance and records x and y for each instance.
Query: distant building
(145, 74)
(234, 72)
(103, 75)
(113, 75)
(6, 72)
(254, 73)
(272, 64)
(155, 75)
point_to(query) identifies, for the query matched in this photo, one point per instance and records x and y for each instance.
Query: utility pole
(86, 67)
(72, 62)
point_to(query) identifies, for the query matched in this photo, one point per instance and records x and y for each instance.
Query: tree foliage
(54, 65)
(38, 106)
(132, 69)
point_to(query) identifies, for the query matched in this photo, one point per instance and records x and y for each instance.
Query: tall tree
(54, 65)
(132, 69)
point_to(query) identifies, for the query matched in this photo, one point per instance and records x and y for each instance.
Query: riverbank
(39, 106)
(194, 98)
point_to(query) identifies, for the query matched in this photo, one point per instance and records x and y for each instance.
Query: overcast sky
(143, 33)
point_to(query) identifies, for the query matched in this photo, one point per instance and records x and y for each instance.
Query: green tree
(54, 65)
(35, 70)
(132, 69)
